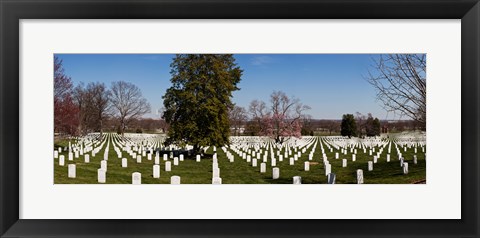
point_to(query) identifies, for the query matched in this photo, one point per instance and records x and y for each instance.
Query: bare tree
(286, 116)
(65, 111)
(100, 104)
(93, 104)
(400, 82)
(238, 117)
(258, 111)
(284, 119)
(128, 103)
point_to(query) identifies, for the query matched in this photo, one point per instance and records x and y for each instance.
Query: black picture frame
(12, 11)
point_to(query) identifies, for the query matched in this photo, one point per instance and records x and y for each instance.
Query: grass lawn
(241, 172)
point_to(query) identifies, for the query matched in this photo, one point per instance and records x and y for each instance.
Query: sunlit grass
(241, 172)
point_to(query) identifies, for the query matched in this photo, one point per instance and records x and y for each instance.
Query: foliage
(349, 126)
(372, 126)
(198, 102)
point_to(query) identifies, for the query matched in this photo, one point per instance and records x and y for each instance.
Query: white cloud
(261, 60)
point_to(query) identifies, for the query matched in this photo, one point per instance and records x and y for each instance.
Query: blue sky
(331, 84)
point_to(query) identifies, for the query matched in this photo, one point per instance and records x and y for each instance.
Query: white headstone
(263, 168)
(388, 157)
(198, 158)
(181, 157)
(297, 180)
(101, 175)
(175, 161)
(157, 160)
(414, 159)
(354, 157)
(149, 156)
(370, 165)
(124, 163)
(336, 155)
(359, 176)
(216, 180)
(136, 178)
(61, 160)
(103, 165)
(71, 171)
(375, 159)
(328, 169)
(70, 156)
(215, 172)
(156, 171)
(307, 166)
(292, 161)
(165, 157)
(86, 158)
(175, 179)
(401, 162)
(168, 166)
(344, 163)
(55, 154)
(254, 163)
(139, 159)
(274, 162)
(276, 173)
(405, 168)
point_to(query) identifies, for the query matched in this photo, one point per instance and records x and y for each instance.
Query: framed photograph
(239, 118)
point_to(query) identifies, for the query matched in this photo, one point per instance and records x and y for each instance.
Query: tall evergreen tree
(198, 102)
(349, 126)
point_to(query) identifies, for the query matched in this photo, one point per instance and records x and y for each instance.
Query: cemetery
(204, 131)
(144, 159)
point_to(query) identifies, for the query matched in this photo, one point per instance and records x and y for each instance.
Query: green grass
(241, 172)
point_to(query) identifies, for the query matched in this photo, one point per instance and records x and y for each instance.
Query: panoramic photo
(239, 119)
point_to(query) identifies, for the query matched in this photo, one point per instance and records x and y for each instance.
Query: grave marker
(370, 165)
(71, 171)
(331, 178)
(136, 178)
(405, 168)
(297, 180)
(263, 168)
(216, 180)
(61, 160)
(275, 173)
(359, 176)
(175, 180)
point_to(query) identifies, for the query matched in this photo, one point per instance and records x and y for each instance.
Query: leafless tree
(238, 117)
(93, 104)
(100, 103)
(283, 118)
(128, 103)
(400, 82)
(258, 111)
(286, 115)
